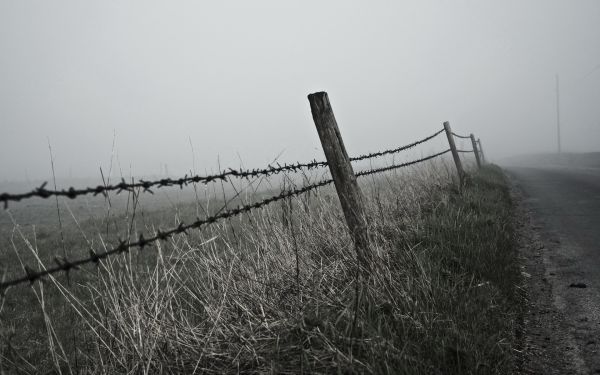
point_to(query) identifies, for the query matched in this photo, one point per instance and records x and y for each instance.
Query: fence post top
(318, 93)
(320, 96)
(319, 102)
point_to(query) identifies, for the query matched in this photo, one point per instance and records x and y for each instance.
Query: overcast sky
(233, 77)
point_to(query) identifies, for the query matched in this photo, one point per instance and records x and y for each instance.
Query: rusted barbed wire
(147, 186)
(461, 136)
(65, 265)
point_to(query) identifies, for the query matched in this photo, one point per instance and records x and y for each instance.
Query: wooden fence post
(481, 150)
(475, 150)
(344, 179)
(459, 168)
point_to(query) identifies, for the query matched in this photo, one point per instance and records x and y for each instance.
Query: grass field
(275, 291)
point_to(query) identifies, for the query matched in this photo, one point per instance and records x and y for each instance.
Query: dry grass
(278, 292)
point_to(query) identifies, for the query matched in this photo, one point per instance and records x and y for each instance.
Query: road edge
(545, 344)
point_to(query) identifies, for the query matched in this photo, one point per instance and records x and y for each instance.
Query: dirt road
(562, 268)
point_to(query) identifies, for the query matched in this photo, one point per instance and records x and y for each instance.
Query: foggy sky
(233, 77)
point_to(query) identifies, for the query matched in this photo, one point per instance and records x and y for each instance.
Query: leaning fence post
(475, 150)
(344, 179)
(459, 168)
(481, 150)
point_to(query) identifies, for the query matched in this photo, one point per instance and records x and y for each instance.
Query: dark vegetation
(278, 291)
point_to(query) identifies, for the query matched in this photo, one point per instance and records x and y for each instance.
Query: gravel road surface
(562, 263)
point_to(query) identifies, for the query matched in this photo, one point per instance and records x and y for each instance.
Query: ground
(559, 213)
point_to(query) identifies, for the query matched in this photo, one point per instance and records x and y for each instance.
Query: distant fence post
(481, 150)
(475, 150)
(344, 179)
(459, 168)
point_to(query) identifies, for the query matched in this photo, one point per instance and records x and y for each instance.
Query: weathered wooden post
(459, 168)
(344, 179)
(481, 150)
(475, 150)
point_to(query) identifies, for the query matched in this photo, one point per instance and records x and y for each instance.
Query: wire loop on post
(461, 136)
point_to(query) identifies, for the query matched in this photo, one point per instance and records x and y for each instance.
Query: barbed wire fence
(461, 136)
(337, 160)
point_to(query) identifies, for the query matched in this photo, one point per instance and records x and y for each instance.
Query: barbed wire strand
(396, 150)
(64, 265)
(147, 186)
(396, 166)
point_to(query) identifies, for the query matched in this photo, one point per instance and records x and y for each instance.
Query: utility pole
(558, 115)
